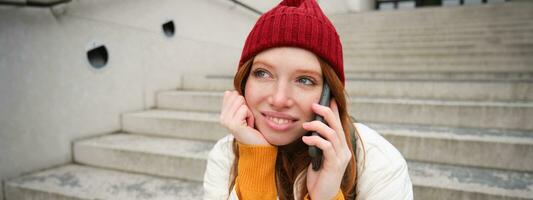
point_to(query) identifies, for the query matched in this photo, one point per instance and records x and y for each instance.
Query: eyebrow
(304, 71)
(309, 72)
(261, 62)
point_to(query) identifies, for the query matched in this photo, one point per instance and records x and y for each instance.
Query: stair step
(443, 90)
(486, 148)
(368, 33)
(467, 187)
(442, 33)
(482, 51)
(489, 147)
(444, 58)
(207, 83)
(446, 76)
(414, 23)
(517, 38)
(439, 66)
(425, 85)
(444, 15)
(167, 157)
(488, 44)
(387, 25)
(436, 63)
(472, 26)
(453, 23)
(76, 182)
(474, 40)
(472, 114)
(511, 115)
(174, 123)
(434, 181)
(440, 54)
(81, 182)
(440, 15)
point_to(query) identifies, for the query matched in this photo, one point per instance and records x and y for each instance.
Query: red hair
(293, 159)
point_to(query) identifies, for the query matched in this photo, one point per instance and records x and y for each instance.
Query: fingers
(236, 102)
(241, 114)
(333, 143)
(331, 115)
(324, 131)
(334, 108)
(238, 119)
(225, 102)
(231, 102)
(326, 146)
(336, 158)
(234, 110)
(228, 101)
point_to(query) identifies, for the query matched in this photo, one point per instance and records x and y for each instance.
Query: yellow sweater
(256, 173)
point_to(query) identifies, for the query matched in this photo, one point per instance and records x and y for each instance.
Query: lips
(279, 121)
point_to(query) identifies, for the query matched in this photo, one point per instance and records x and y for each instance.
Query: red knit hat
(297, 23)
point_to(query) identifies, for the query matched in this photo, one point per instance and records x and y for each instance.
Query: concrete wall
(49, 94)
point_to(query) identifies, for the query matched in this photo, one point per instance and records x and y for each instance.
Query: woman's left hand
(325, 183)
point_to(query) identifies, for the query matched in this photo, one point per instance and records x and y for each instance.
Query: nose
(281, 96)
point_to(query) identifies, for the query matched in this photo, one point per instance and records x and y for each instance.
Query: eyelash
(257, 73)
(312, 82)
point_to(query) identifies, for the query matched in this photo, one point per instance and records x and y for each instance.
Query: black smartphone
(314, 152)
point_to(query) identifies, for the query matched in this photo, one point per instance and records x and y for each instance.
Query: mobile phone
(314, 152)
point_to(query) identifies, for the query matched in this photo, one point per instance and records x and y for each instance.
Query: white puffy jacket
(381, 170)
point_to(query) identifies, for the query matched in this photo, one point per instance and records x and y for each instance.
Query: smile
(279, 121)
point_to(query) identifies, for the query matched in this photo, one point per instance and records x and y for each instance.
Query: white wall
(49, 94)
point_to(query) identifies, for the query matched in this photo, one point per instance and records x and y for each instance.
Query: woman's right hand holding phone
(239, 120)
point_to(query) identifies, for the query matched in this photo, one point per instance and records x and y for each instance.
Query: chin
(282, 139)
(277, 142)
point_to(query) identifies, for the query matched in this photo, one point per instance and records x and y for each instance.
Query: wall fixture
(168, 28)
(98, 56)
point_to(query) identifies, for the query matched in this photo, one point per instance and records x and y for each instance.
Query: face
(283, 84)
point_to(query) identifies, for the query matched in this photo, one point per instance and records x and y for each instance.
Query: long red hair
(293, 159)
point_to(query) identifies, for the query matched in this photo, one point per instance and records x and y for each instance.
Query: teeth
(278, 120)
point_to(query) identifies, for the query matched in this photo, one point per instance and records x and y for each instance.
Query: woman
(291, 52)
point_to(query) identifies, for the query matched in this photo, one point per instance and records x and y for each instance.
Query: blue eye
(306, 81)
(261, 73)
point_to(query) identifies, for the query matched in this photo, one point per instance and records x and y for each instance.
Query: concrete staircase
(451, 88)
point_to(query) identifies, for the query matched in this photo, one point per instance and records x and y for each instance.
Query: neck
(294, 147)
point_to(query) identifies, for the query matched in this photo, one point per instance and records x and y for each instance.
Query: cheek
(306, 101)
(252, 94)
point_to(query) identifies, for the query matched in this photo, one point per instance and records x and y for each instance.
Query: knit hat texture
(296, 23)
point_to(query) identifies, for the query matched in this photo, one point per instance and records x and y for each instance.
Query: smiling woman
(283, 84)
(277, 86)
